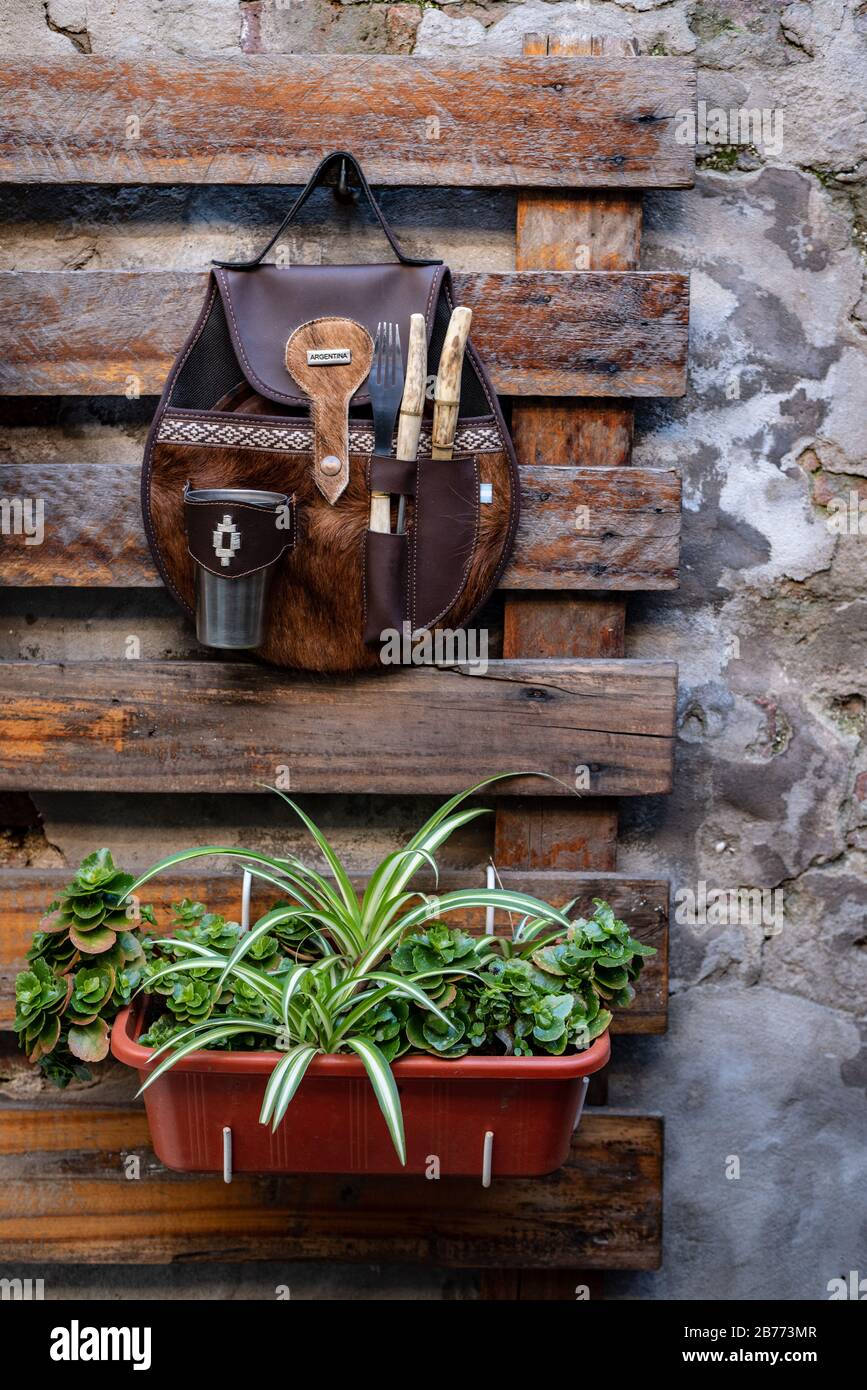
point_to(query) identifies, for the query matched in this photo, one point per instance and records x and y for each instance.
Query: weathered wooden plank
(591, 528)
(66, 1198)
(580, 528)
(541, 833)
(504, 121)
(643, 903)
(594, 626)
(215, 726)
(554, 232)
(117, 332)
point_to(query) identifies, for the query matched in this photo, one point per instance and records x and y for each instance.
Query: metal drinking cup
(231, 611)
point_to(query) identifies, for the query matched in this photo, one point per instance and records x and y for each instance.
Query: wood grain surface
(503, 122)
(116, 332)
(554, 232)
(66, 1198)
(580, 528)
(224, 727)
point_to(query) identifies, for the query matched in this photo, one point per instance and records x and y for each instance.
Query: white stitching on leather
(240, 343)
(220, 277)
(470, 557)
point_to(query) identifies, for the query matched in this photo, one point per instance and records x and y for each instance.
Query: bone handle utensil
(412, 405)
(447, 392)
(380, 512)
(330, 358)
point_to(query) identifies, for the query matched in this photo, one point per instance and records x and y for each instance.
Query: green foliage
(85, 963)
(40, 998)
(523, 997)
(92, 988)
(437, 948)
(161, 1031)
(599, 954)
(322, 990)
(524, 1013)
(385, 1025)
(324, 972)
(440, 948)
(192, 999)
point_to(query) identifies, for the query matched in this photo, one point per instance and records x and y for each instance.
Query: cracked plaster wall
(767, 1054)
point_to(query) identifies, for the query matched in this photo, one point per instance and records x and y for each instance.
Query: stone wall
(766, 1060)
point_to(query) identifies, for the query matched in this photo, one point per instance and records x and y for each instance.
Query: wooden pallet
(25, 893)
(578, 127)
(70, 1194)
(111, 332)
(625, 536)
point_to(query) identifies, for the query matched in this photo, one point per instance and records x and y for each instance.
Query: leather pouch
(235, 538)
(232, 416)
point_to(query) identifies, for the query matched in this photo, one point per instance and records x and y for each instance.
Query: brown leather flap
(264, 306)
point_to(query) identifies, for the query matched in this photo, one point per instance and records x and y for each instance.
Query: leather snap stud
(330, 465)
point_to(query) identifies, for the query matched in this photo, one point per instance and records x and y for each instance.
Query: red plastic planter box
(334, 1125)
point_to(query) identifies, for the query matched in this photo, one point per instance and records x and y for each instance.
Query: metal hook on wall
(343, 190)
(490, 882)
(246, 890)
(487, 1157)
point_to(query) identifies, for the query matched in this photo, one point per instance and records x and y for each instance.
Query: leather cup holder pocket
(233, 532)
(419, 577)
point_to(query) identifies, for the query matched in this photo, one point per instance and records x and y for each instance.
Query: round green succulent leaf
(92, 943)
(612, 979)
(46, 1040)
(56, 921)
(90, 909)
(89, 1043)
(92, 987)
(95, 870)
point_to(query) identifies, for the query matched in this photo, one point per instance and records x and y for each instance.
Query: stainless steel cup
(230, 613)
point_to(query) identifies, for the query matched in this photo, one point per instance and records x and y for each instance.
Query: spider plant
(321, 1006)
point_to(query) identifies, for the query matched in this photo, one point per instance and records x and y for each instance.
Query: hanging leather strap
(344, 158)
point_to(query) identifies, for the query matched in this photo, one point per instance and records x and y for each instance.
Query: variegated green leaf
(204, 1037)
(341, 878)
(284, 1082)
(183, 856)
(385, 1089)
(277, 916)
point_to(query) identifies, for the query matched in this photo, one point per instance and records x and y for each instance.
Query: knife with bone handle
(412, 405)
(447, 392)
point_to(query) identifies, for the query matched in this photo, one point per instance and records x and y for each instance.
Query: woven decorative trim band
(299, 439)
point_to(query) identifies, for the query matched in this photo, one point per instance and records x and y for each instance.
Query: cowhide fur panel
(315, 620)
